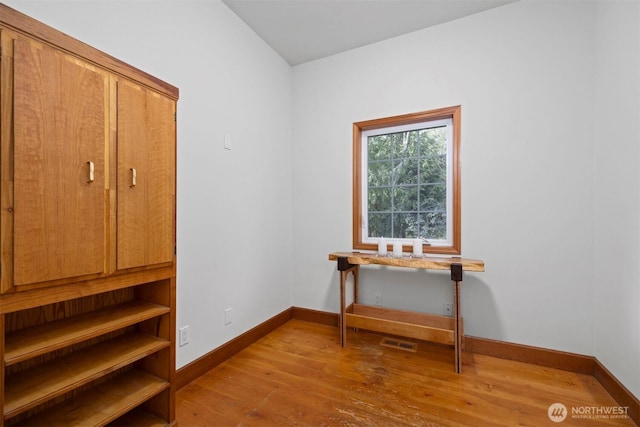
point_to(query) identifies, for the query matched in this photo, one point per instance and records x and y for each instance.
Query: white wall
(522, 74)
(617, 191)
(234, 207)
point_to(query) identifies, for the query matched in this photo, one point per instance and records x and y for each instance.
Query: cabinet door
(146, 177)
(60, 136)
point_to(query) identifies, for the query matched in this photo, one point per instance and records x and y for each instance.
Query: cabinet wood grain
(87, 234)
(146, 176)
(60, 119)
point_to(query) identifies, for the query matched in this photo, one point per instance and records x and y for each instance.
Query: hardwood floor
(298, 375)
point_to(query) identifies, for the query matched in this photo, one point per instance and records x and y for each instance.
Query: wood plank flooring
(299, 375)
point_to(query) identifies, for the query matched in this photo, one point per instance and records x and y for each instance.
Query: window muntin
(406, 180)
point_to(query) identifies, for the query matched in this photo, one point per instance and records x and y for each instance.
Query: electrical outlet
(378, 298)
(183, 336)
(447, 310)
(227, 316)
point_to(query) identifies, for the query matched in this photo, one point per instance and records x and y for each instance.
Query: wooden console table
(428, 327)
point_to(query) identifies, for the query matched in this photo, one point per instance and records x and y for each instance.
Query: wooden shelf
(30, 388)
(106, 403)
(31, 342)
(139, 418)
(422, 326)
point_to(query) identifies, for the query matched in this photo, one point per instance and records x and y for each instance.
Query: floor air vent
(402, 345)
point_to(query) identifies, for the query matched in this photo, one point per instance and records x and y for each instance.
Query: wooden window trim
(359, 127)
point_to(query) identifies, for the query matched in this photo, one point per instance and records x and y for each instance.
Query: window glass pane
(433, 141)
(433, 169)
(433, 197)
(406, 171)
(405, 199)
(397, 145)
(380, 224)
(379, 199)
(404, 144)
(405, 225)
(434, 225)
(379, 173)
(379, 147)
(406, 178)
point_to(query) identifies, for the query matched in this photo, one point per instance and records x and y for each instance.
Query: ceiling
(305, 30)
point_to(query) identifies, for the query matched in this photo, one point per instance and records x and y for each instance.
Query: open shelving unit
(91, 360)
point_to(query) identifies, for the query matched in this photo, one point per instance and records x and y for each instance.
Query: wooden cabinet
(146, 176)
(88, 166)
(60, 114)
(87, 234)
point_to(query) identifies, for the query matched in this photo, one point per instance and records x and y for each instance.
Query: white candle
(417, 247)
(397, 248)
(382, 246)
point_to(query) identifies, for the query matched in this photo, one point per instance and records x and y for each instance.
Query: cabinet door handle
(92, 172)
(134, 177)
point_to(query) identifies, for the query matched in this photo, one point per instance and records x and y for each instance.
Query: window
(406, 181)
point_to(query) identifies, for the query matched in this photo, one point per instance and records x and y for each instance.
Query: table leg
(355, 271)
(343, 299)
(343, 308)
(457, 329)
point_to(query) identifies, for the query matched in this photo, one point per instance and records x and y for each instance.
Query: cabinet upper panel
(146, 176)
(60, 135)
(87, 161)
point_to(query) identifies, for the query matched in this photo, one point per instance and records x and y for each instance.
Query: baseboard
(534, 355)
(203, 364)
(571, 362)
(618, 391)
(322, 317)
